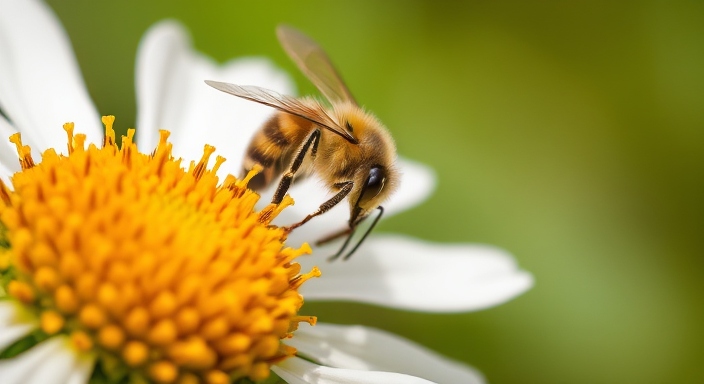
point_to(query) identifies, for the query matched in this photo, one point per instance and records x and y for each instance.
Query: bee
(344, 145)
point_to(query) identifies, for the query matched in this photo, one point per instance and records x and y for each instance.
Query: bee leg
(376, 220)
(286, 180)
(351, 232)
(333, 236)
(345, 189)
(337, 254)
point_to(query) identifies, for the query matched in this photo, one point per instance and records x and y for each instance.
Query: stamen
(68, 127)
(218, 162)
(79, 141)
(305, 319)
(109, 139)
(239, 187)
(272, 210)
(300, 279)
(24, 152)
(203, 163)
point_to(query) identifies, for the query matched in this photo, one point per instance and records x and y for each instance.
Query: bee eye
(374, 185)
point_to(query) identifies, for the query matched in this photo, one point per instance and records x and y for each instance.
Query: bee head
(374, 189)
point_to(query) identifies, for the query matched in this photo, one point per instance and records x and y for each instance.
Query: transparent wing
(314, 63)
(315, 112)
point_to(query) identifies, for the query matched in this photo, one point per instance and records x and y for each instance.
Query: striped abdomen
(273, 146)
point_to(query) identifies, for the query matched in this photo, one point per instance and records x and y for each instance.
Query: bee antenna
(376, 220)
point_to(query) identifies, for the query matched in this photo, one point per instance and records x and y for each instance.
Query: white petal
(10, 334)
(159, 60)
(8, 312)
(48, 362)
(407, 273)
(42, 87)
(15, 323)
(5, 174)
(172, 95)
(59, 366)
(8, 154)
(82, 370)
(363, 348)
(298, 371)
(417, 183)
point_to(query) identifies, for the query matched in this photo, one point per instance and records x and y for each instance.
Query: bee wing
(288, 104)
(314, 63)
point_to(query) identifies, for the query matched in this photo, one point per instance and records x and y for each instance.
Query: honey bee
(344, 145)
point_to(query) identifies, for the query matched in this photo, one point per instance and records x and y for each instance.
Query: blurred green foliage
(570, 133)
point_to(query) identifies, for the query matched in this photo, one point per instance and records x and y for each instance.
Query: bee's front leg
(345, 189)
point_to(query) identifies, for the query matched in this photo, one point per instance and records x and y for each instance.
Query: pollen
(154, 266)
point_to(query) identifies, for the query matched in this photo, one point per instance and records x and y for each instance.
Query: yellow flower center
(160, 271)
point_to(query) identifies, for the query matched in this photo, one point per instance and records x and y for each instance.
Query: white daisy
(41, 89)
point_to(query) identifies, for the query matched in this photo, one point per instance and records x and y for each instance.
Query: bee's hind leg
(287, 178)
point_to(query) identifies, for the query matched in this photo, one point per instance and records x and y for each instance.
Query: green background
(570, 133)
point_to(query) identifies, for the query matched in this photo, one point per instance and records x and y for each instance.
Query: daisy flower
(153, 264)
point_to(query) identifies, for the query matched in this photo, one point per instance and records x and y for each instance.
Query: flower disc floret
(150, 266)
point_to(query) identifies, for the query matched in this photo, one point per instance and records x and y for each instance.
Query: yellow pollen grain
(46, 279)
(70, 266)
(162, 333)
(163, 372)
(51, 322)
(42, 254)
(21, 291)
(111, 336)
(137, 321)
(135, 353)
(260, 371)
(92, 316)
(267, 346)
(86, 287)
(218, 377)
(108, 295)
(164, 305)
(188, 378)
(81, 341)
(234, 343)
(65, 299)
(187, 320)
(240, 362)
(193, 353)
(215, 329)
(262, 324)
(150, 262)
